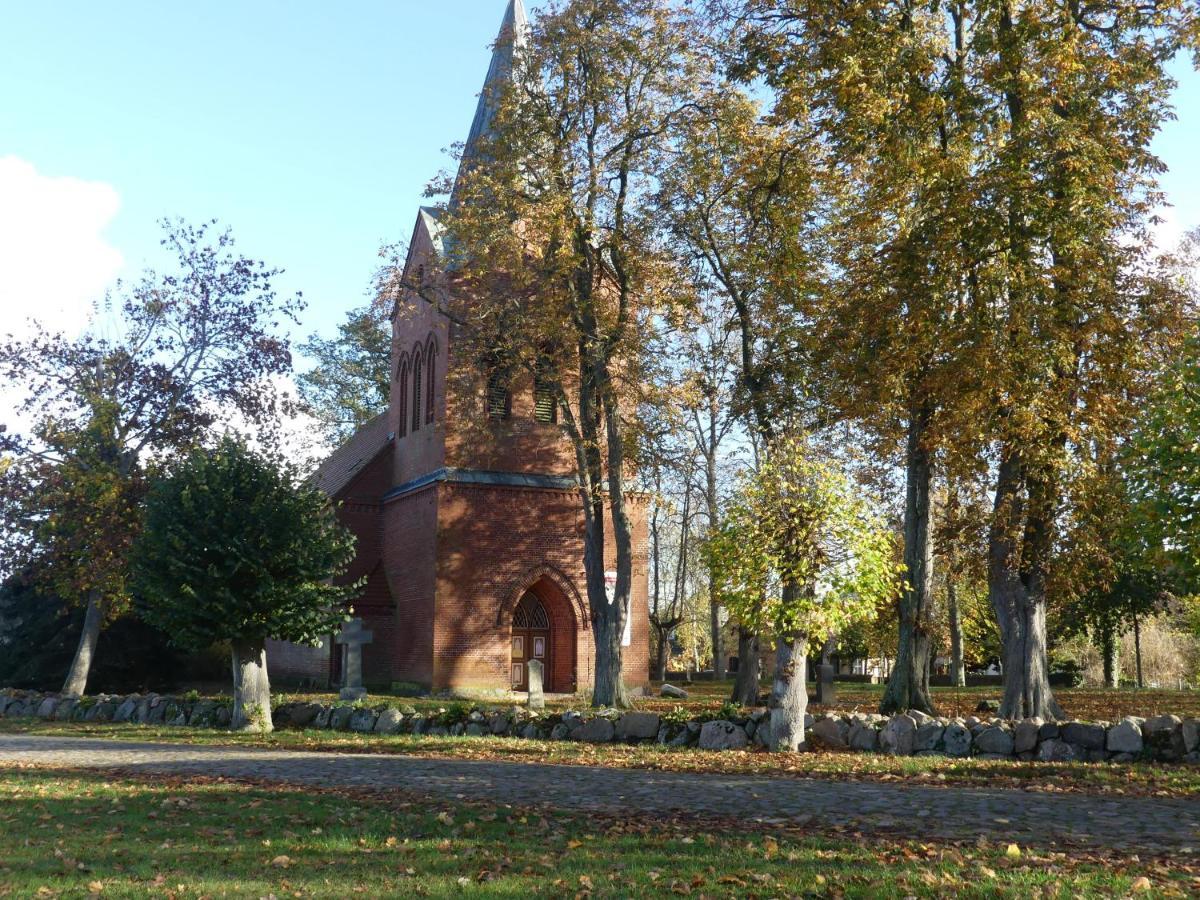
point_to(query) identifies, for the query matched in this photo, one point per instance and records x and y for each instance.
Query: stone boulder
(1087, 735)
(531, 732)
(1164, 737)
(638, 726)
(594, 731)
(957, 739)
(389, 721)
(499, 724)
(223, 716)
(830, 732)
(127, 709)
(995, 740)
(722, 735)
(863, 736)
(203, 714)
(560, 732)
(339, 718)
(476, 729)
(64, 710)
(1025, 735)
(669, 690)
(46, 708)
(1125, 737)
(304, 715)
(1055, 750)
(928, 736)
(898, 735)
(1190, 732)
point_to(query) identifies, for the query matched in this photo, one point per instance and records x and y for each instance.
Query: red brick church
(463, 499)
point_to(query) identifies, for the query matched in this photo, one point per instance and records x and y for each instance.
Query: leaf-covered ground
(1096, 704)
(74, 835)
(1133, 779)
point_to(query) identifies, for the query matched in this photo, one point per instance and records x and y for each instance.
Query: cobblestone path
(1155, 824)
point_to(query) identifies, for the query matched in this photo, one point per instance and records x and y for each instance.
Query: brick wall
(496, 542)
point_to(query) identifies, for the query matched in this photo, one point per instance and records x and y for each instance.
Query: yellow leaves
(1141, 885)
(281, 861)
(1013, 852)
(95, 887)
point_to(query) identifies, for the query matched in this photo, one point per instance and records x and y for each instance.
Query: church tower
(464, 498)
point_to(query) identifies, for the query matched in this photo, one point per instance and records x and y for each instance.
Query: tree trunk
(958, 668)
(789, 693)
(908, 686)
(1110, 649)
(1137, 651)
(710, 497)
(251, 688)
(85, 653)
(660, 655)
(745, 685)
(1016, 587)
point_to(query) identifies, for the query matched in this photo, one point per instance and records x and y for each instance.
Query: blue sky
(311, 128)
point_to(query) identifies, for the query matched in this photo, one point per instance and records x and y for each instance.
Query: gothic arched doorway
(530, 639)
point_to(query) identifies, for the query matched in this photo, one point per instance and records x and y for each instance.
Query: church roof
(339, 469)
(512, 36)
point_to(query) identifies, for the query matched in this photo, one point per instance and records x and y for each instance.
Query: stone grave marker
(537, 700)
(826, 695)
(352, 638)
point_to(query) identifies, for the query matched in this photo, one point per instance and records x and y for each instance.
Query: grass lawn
(75, 835)
(1144, 779)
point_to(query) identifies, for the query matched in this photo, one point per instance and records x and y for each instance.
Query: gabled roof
(335, 474)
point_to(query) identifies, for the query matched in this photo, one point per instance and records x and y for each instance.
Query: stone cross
(826, 696)
(537, 700)
(352, 639)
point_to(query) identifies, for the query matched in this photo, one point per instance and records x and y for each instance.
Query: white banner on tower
(610, 591)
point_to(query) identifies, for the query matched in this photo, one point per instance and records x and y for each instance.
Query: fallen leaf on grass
(281, 861)
(1140, 884)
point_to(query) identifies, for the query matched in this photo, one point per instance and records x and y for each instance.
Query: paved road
(1155, 824)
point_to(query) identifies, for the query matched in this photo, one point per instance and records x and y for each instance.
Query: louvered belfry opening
(530, 639)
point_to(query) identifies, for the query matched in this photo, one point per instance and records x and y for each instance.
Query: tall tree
(349, 382)
(185, 348)
(883, 87)
(712, 369)
(735, 193)
(555, 212)
(237, 548)
(803, 553)
(996, 159)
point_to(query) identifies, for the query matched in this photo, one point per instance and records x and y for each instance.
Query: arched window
(416, 401)
(402, 396)
(430, 368)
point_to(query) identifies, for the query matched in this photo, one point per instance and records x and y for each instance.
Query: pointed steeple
(511, 37)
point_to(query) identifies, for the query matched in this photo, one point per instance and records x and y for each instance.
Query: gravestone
(352, 638)
(537, 700)
(826, 696)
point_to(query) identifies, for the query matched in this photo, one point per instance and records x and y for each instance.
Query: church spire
(512, 36)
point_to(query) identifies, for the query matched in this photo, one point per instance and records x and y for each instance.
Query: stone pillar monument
(537, 700)
(352, 638)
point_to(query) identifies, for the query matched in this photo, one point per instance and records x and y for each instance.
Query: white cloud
(54, 259)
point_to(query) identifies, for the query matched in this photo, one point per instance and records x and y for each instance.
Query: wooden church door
(530, 640)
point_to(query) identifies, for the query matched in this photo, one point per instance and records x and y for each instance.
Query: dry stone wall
(1161, 738)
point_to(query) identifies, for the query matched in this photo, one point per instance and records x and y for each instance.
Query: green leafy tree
(349, 383)
(237, 548)
(801, 554)
(181, 350)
